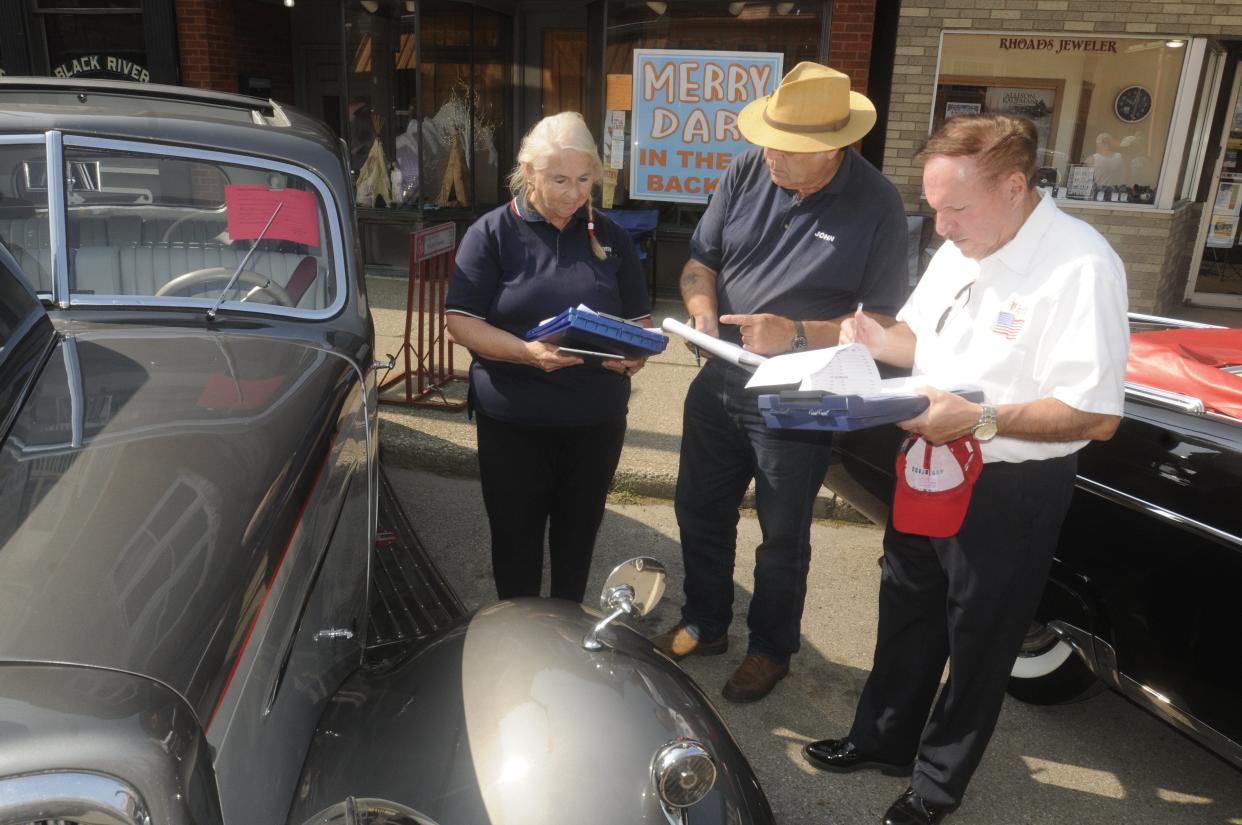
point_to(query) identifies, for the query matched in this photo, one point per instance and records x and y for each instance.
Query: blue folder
(814, 410)
(586, 330)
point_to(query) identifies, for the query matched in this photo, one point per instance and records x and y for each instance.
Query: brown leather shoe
(677, 643)
(754, 678)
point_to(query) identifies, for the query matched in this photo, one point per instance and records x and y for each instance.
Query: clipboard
(584, 329)
(592, 357)
(814, 410)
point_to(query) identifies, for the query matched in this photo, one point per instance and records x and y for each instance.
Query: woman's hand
(626, 367)
(548, 357)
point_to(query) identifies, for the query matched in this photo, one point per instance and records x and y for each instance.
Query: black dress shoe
(912, 809)
(841, 756)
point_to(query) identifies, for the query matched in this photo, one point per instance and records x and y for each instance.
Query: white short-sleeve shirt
(1043, 316)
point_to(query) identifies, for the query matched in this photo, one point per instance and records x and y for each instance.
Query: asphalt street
(1102, 760)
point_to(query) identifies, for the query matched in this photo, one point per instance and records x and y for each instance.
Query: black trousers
(968, 599)
(537, 478)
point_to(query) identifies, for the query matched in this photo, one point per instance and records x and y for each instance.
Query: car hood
(149, 483)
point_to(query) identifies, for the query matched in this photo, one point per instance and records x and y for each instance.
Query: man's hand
(766, 334)
(861, 328)
(947, 417)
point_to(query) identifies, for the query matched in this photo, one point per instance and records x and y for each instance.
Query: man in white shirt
(1029, 305)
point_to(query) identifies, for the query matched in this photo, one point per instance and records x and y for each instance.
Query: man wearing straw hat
(800, 231)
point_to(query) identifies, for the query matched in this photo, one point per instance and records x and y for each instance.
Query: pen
(698, 360)
(859, 307)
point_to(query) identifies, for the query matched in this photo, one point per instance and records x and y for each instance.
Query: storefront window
(427, 130)
(94, 38)
(792, 29)
(1103, 106)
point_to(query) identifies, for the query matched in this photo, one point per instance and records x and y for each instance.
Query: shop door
(554, 62)
(1216, 269)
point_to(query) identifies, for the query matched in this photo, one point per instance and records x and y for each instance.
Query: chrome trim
(1135, 503)
(332, 212)
(1104, 665)
(73, 378)
(1172, 322)
(74, 795)
(57, 232)
(1166, 398)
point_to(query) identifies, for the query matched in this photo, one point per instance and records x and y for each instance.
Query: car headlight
(683, 772)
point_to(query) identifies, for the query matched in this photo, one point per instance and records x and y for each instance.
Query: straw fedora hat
(812, 110)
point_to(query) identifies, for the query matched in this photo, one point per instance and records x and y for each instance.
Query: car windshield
(170, 227)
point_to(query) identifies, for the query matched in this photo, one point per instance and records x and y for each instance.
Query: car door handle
(333, 633)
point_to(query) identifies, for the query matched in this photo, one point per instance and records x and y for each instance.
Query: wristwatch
(985, 429)
(799, 339)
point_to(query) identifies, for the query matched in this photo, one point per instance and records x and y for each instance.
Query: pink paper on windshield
(250, 206)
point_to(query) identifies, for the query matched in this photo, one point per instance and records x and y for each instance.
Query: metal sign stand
(428, 366)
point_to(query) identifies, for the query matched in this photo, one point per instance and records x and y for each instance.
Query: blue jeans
(724, 445)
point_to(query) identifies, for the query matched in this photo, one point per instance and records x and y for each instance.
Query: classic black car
(212, 608)
(1142, 592)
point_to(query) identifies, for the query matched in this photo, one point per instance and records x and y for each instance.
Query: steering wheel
(168, 233)
(183, 284)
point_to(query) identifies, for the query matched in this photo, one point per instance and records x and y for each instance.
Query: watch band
(985, 429)
(799, 339)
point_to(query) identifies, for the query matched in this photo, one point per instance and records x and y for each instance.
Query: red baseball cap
(934, 483)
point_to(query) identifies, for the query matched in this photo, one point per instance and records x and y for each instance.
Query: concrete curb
(406, 444)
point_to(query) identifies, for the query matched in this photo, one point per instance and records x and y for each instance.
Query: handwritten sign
(686, 104)
(250, 207)
(433, 241)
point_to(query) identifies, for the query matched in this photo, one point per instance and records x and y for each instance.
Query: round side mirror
(643, 577)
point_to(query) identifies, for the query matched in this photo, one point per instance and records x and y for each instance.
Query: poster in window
(1036, 104)
(1228, 198)
(1080, 182)
(955, 108)
(1222, 230)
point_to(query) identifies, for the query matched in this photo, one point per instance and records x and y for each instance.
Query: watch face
(1132, 104)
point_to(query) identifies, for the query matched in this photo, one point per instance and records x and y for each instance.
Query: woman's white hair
(548, 138)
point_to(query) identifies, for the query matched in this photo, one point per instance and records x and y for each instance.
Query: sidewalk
(444, 442)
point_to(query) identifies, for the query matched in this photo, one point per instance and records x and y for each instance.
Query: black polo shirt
(813, 259)
(513, 270)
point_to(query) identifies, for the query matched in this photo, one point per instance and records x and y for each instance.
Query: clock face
(1132, 104)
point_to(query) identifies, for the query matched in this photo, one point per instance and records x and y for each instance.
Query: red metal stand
(428, 366)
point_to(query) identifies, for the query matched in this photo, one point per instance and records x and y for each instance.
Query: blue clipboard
(814, 410)
(585, 330)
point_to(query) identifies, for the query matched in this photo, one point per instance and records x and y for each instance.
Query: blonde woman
(550, 427)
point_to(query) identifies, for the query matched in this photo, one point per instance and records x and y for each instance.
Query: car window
(146, 225)
(23, 213)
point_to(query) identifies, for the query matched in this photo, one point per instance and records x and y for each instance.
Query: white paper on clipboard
(721, 349)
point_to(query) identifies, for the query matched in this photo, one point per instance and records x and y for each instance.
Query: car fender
(506, 719)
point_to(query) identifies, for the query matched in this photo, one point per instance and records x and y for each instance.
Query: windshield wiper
(211, 313)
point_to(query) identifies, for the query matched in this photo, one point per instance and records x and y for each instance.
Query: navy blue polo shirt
(811, 259)
(513, 270)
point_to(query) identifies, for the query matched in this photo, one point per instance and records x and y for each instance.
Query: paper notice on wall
(251, 206)
(614, 139)
(609, 188)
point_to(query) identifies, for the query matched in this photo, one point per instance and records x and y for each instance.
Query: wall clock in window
(1133, 103)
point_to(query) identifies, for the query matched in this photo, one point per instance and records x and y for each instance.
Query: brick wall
(205, 38)
(1155, 247)
(849, 48)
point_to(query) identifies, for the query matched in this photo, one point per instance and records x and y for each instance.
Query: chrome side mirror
(633, 588)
